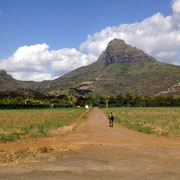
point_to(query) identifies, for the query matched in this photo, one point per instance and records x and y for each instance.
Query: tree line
(72, 99)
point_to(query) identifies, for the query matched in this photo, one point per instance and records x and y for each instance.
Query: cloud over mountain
(37, 63)
(157, 35)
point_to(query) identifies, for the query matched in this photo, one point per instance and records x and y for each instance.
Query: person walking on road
(111, 119)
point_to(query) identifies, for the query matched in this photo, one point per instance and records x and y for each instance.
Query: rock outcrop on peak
(118, 51)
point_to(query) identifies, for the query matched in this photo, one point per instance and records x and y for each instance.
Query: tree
(120, 100)
(130, 98)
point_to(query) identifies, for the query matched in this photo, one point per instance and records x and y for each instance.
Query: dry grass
(7, 157)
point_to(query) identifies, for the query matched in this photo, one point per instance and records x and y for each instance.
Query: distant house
(87, 106)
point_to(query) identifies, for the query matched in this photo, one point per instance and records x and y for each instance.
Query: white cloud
(157, 35)
(176, 6)
(29, 76)
(37, 63)
(70, 59)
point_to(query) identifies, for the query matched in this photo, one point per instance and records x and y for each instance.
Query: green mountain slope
(119, 68)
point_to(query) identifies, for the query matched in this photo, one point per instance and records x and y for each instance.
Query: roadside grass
(21, 154)
(6, 157)
(18, 124)
(160, 121)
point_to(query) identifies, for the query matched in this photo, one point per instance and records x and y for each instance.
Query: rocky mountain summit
(4, 75)
(7, 82)
(118, 51)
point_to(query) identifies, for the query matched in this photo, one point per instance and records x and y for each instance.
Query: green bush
(10, 137)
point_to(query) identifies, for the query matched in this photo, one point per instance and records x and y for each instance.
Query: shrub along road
(96, 151)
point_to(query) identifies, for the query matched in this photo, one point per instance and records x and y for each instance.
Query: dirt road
(97, 151)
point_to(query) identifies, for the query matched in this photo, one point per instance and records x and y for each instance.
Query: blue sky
(66, 23)
(32, 29)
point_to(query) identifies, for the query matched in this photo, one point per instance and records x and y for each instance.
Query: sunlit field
(16, 124)
(159, 121)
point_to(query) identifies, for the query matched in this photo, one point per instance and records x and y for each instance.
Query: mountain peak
(116, 40)
(118, 51)
(118, 45)
(3, 72)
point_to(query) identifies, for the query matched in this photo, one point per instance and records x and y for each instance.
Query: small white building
(87, 106)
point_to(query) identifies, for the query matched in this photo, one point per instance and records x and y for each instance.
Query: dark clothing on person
(111, 119)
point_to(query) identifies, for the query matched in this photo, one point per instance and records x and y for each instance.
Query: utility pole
(106, 103)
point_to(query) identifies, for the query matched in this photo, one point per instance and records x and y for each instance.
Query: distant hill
(119, 68)
(8, 83)
(13, 87)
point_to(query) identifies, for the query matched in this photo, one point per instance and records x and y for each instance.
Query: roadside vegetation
(18, 124)
(73, 99)
(159, 121)
(21, 154)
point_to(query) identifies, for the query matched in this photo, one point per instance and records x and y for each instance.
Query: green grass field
(16, 124)
(159, 121)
